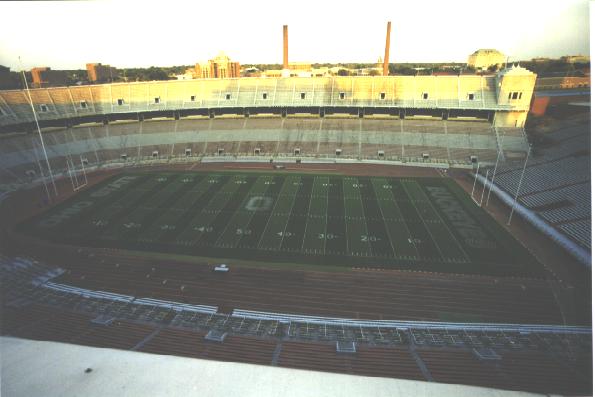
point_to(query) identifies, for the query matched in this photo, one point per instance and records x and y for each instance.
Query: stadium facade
(503, 99)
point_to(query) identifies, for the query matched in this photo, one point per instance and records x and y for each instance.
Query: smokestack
(386, 50)
(285, 46)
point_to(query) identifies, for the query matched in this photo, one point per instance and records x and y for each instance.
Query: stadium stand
(168, 140)
(514, 357)
(557, 182)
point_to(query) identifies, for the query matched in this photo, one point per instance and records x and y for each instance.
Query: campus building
(482, 59)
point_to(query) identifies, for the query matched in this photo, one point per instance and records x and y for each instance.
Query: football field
(425, 224)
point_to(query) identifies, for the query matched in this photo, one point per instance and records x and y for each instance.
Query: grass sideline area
(423, 224)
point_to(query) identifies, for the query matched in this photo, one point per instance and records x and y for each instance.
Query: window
(296, 151)
(188, 152)
(424, 95)
(381, 153)
(341, 95)
(84, 104)
(155, 154)
(192, 98)
(520, 95)
(470, 96)
(257, 151)
(220, 151)
(85, 161)
(124, 156)
(382, 95)
(227, 97)
(338, 152)
(120, 102)
(265, 95)
(515, 95)
(43, 108)
(157, 100)
(425, 156)
(303, 95)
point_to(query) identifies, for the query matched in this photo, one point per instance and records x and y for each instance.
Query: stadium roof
(35, 368)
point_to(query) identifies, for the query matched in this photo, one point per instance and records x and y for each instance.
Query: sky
(129, 33)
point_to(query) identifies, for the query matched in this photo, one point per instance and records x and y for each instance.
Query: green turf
(426, 224)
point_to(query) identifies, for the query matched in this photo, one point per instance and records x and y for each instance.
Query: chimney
(386, 50)
(285, 54)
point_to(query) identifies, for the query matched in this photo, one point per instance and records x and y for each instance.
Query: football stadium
(383, 227)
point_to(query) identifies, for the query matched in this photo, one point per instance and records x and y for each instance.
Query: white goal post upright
(519, 186)
(45, 185)
(39, 130)
(492, 182)
(73, 174)
(84, 171)
(484, 188)
(474, 182)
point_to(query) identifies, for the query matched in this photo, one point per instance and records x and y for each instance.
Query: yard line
(404, 223)
(289, 216)
(254, 187)
(285, 183)
(206, 211)
(308, 212)
(384, 217)
(344, 222)
(359, 196)
(424, 223)
(326, 216)
(446, 226)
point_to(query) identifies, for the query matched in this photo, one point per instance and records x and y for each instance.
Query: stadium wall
(440, 96)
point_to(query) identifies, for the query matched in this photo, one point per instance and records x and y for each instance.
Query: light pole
(45, 154)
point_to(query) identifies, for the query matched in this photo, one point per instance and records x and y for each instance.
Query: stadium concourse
(343, 209)
(107, 372)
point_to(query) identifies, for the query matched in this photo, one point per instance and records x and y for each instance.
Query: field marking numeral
(270, 182)
(358, 185)
(414, 240)
(213, 180)
(387, 186)
(203, 229)
(328, 184)
(186, 180)
(168, 227)
(243, 232)
(327, 236)
(100, 222)
(366, 238)
(241, 182)
(285, 234)
(131, 225)
(161, 179)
